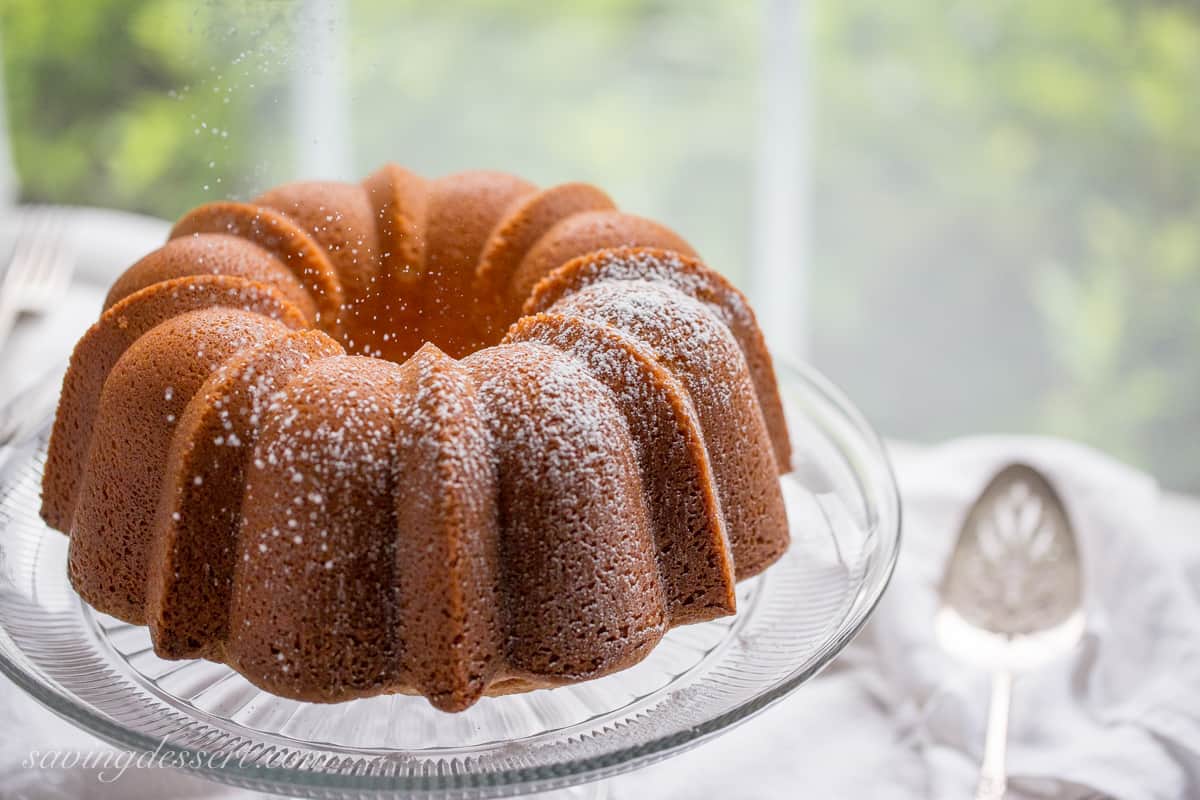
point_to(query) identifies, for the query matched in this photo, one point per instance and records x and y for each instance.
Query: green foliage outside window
(1005, 196)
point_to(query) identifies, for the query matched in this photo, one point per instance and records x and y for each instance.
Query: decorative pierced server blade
(1015, 569)
(702, 679)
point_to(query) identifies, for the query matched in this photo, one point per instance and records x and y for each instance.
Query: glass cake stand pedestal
(102, 675)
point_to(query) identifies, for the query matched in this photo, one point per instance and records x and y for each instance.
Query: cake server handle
(993, 781)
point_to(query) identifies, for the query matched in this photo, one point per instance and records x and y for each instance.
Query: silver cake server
(1012, 595)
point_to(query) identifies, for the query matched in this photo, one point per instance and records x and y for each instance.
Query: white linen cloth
(1121, 714)
(894, 717)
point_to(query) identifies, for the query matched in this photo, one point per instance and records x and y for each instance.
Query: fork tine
(64, 252)
(37, 244)
(51, 261)
(42, 261)
(19, 264)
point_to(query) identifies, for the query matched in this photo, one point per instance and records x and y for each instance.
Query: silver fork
(40, 269)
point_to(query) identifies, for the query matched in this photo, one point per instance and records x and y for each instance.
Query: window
(974, 217)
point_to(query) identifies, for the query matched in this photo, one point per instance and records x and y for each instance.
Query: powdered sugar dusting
(547, 442)
(572, 508)
(647, 264)
(684, 334)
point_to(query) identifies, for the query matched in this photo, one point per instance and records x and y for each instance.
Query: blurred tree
(654, 101)
(121, 103)
(1006, 210)
(1006, 194)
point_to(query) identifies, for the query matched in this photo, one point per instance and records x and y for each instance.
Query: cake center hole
(394, 331)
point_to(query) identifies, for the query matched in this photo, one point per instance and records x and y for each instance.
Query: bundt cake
(447, 437)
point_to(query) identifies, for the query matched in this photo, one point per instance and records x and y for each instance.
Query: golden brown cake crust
(463, 209)
(139, 410)
(200, 506)
(583, 596)
(97, 352)
(448, 561)
(693, 548)
(282, 237)
(691, 342)
(487, 504)
(691, 277)
(513, 237)
(586, 233)
(318, 524)
(212, 254)
(400, 202)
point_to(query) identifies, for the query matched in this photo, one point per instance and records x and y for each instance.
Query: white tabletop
(787, 750)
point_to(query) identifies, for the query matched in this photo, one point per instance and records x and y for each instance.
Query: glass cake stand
(102, 675)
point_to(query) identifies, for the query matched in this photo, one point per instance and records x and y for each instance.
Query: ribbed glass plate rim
(855, 440)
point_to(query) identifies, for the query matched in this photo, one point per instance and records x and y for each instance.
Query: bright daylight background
(973, 216)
